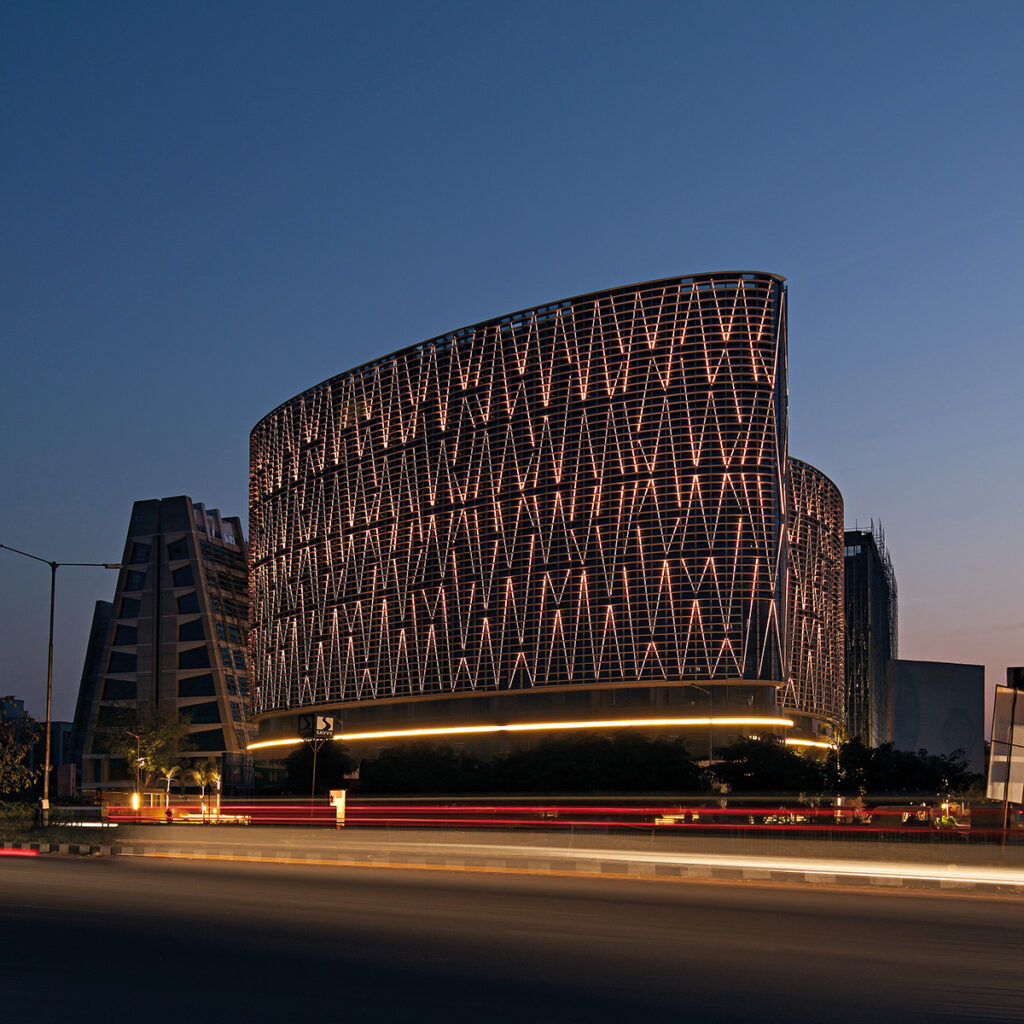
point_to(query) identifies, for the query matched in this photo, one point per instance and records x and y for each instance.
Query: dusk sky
(209, 207)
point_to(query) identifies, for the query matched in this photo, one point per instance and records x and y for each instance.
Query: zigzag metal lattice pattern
(587, 492)
(815, 622)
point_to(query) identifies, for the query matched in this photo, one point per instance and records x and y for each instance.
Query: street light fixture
(136, 796)
(54, 566)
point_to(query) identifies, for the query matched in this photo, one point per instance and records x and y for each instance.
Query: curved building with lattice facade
(569, 517)
(814, 695)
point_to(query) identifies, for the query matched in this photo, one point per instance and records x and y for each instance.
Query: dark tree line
(627, 763)
(632, 763)
(583, 765)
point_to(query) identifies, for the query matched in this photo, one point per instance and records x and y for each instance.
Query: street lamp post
(137, 799)
(54, 566)
(711, 719)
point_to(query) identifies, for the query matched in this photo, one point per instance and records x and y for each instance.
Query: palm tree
(214, 774)
(201, 774)
(169, 771)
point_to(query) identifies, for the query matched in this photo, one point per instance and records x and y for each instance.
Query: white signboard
(1006, 762)
(319, 727)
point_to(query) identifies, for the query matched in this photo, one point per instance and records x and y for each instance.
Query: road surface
(105, 939)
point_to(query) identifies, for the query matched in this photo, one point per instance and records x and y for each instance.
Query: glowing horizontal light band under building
(291, 742)
(471, 730)
(810, 743)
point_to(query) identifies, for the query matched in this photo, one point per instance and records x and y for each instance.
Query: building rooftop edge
(930, 661)
(807, 465)
(507, 316)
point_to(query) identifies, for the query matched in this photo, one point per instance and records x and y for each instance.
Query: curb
(634, 867)
(62, 849)
(594, 866)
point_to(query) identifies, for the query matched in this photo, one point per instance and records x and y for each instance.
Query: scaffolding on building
(878, 532)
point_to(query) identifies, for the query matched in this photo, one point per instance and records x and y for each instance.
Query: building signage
(316, 727)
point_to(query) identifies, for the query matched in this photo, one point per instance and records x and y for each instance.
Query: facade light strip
(470, 730)
(795, 742)
(263, 744)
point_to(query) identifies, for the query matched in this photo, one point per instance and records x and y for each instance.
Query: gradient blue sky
(208, 207)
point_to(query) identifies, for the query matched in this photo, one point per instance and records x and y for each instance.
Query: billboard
(1006, 764)
(319, 727)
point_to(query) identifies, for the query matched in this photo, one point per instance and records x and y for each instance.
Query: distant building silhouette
(12, 712)
(12, 709)
(938, 706)
(871, 632)
(174, 635)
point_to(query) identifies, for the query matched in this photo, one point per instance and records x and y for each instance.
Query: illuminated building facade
(174, 636)
(569, 516)
(815, 693)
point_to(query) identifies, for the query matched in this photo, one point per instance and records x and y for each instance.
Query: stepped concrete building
(175, 635)
(570, 517)
(91, 685)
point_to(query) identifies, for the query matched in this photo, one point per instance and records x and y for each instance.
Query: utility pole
(711, 720)
(137, 800)
(316, 730)
(54, 566)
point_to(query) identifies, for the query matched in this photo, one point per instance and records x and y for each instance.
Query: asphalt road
(114, 939)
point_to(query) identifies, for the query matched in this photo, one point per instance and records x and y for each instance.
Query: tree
(154, 735)
(767, 766)
(419, 768)
(215, 777)
(333, 763)
(169, 771)
(627, 762)
(857, 768)
(16, 739)
(586, 764)
(202, 773)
